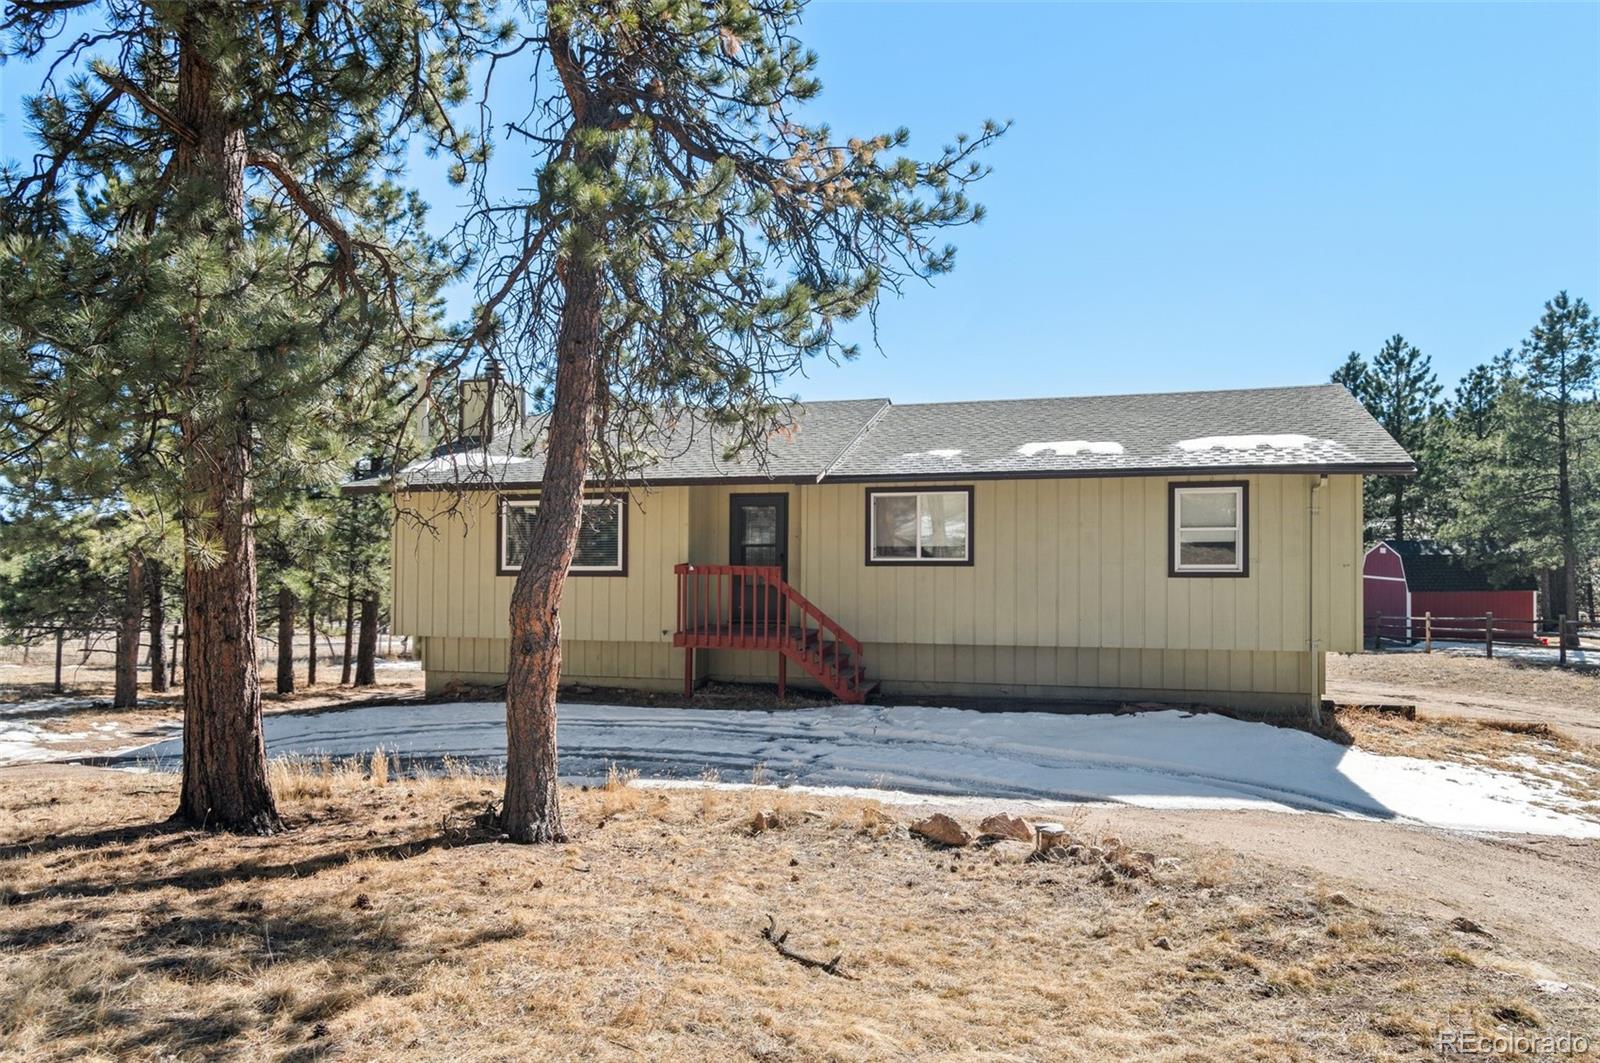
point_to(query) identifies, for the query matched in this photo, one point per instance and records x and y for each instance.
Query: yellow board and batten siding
(1068, 595)
(615, 629)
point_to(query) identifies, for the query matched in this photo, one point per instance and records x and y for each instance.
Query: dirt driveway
(1540, 892)
(1474, 687)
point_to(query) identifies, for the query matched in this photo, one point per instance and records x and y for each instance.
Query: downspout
(1313, 510)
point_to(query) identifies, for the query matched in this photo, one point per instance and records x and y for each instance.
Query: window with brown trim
(932, 527)
(602, 536)
(1208, 529)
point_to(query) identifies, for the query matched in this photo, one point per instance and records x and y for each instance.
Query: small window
(1209, 529)
(919, 527)
(602, 538)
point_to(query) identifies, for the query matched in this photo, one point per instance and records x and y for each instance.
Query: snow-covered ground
(1160, 759)
(1519, 651)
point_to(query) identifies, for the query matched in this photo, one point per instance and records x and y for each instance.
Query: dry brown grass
(1505, 677)
(1507, 745)
(371, 932)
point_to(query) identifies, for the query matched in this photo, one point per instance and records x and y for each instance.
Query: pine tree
(233, 252)
(1558, 367)
(359, 573)
(1475, 407)
(1530, 500)
(1356, 375)
(691, 241)
(1401, 392)
(51, 588)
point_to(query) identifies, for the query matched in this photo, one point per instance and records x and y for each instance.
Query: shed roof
(1320, 428)
(1432, 566)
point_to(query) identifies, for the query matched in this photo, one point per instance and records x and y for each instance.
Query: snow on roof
(1066, 448)
(1321, 428)
(1282, 441)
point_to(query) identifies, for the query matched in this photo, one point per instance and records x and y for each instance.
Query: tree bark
(349, 636)
(129, 623)
(1569, 527)
(158, 622)
(224, 753)
(366, 659)
(285, 641)
(532, 812)
(61, 638)
(311, 641)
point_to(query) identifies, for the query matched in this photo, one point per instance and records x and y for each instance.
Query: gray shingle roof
(1319, 428)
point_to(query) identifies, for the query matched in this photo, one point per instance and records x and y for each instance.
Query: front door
(758, 534)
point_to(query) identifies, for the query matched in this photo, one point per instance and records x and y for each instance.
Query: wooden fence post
(1561, 640)
(1427, 632)
(1488, 635)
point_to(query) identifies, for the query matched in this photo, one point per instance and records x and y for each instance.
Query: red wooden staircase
(752, 607)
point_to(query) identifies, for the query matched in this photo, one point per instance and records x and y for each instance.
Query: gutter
(848, 447)
(362, 487)
(1313, 511)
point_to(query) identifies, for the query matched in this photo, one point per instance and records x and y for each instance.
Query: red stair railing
(752, 607)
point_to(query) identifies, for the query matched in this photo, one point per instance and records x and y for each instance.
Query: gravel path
(1444, 685)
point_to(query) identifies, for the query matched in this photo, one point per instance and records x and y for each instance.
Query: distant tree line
(1509, 462)
(71, 577)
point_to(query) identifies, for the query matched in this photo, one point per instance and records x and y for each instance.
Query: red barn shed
(1404, 580)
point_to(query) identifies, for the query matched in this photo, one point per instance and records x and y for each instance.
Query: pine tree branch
(156, 109)
(321, 215)
(47, 178)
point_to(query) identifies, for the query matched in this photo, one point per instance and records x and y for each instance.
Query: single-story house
(1410, 584)
(1196, 547)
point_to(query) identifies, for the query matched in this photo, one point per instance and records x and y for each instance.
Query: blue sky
(1199, 196)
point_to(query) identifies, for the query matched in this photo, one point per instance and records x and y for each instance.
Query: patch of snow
(1520, 651)
(24, 743)
(45, 705)
(1067, 448)
(466, 459)
(1157, 759)
(1286, 441)
(939, 453)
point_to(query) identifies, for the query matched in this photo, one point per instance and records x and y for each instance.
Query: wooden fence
(1487, 627)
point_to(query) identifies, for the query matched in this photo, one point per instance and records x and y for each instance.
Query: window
(919, 527)
(602, 536)
(1209, 531)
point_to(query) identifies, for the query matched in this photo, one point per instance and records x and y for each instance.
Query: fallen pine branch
(825, 966)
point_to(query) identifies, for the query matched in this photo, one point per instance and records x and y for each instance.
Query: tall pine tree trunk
(224, 753)
(285, 641)
(311, 640)
(129, 622)
(532, 811)
(367, 651)
(158, 622)
(1569, 524)
(349, 636)
(61, 641)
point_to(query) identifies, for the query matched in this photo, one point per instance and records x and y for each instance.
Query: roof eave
(364, 487)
